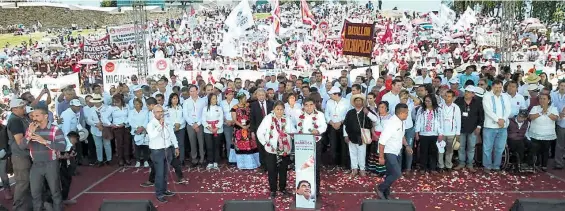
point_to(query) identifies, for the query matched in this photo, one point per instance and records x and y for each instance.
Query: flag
(343, 29)
(276, 15)
(387, 37)
(240, 18)
(307, 16)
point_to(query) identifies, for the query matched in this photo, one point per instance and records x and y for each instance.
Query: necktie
(262, 109)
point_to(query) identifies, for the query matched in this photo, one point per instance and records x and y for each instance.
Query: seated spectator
(518, 143)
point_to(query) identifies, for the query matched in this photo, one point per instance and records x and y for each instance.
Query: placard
(124, 35)
(305, 167)
(359, 39)
(120, 70)
(97, 49)
(488, 39)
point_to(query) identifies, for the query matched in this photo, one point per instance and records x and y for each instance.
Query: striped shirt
(55, 143)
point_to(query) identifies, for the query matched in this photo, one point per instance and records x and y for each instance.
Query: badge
(465, 114)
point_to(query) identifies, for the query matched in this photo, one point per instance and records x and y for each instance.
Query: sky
(418, 5)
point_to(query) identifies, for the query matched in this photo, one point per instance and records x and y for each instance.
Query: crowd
(419, 113)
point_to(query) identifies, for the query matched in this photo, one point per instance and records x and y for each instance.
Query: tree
(109, 3)
(544, 10)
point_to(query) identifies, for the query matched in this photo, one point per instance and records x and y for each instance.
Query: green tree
(109, 3)
(544, 10)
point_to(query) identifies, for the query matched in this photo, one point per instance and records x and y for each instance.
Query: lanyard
(452, 116)
(501, 103)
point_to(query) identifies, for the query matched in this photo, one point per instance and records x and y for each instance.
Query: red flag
(387, 37)
(276, 15)
(307, 16)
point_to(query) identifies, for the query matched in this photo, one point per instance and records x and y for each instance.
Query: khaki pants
(448, 153)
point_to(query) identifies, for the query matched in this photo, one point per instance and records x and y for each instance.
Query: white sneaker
(216, 165)
(137, 164)
(209, 166)
(146, 164)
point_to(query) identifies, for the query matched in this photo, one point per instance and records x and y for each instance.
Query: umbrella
(87, 61)
(535, 26)
(392, 14)
(530, 21)
(427, 26)
(419, 21)
(55, 47)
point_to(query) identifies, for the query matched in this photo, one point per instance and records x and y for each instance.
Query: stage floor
(208, 189)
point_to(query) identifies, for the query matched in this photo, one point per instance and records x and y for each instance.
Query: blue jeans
(393, 172)
(493, 139)
(101, 143)
(467, 149)
(161, 158)
(228, 134)
(407, 159)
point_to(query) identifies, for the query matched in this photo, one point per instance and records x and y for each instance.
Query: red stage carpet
(208, 189)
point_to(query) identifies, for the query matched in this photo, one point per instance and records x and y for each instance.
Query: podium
(305, 167)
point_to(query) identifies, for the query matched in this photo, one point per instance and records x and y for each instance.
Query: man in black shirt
(472, 118)
(17, 126)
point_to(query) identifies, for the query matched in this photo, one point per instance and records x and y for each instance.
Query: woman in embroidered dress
(247, 153)
(382, 116)
(428, 132)
(274, 134)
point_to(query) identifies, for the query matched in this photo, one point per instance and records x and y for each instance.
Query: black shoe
(162, 199)
(557, 168)
(107, 163)
(285, 193)
(194, 165)
(169, 193)
(147, 184)
(273, 194)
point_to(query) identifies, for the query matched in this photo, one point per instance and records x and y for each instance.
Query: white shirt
(214, 113)
(336, 111)
(192, 110)
(272, 85)
(70, 123)
(264, 131)
(174, 115)
(292, 113)
(451, 119)
(308, 123)
(131, 105)
(422, 121)
(518, 103)
(160, 136)
(392, 100)
(392, 136)
(166, 95)
(138, 119)
(226, 108)
(118, 116)
(93, 118)
(502, 112)
(543, 128)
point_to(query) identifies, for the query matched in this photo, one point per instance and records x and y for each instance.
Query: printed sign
(124, 35)
(324, 26)
(97, 49)
(359, 39)
(305, 166)
(120, 70)
(488, 39)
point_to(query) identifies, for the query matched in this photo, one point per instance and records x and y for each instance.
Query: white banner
(120, 71)
(55, 84)
(123, 35)
(305, 165)
(488, 39)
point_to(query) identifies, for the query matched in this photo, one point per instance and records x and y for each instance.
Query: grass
(17, 40)
(261, 16)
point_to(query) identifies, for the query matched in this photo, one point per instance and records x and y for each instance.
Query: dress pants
(319, 146)
(181, 139)
(175, 163)
(22, 191)
(213, 147)
(66, 174)
(519, 148)
(428, 152)
(393, 172)
(542, 147)
(448, 154)
(196, 140)
(276, 170)
(161, 158)
(339, 149)
(39, 173)
(560, 146)
(123, 143)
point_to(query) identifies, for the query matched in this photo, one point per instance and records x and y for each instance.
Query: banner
(488, 39)
(120, 70)
(124, 35)
(96, 49)
(305, 167)
(55, 84)
(359, 39)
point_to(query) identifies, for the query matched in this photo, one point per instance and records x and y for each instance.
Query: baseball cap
(334, 90)
(17, 103)
(523, 113)
(75, 102)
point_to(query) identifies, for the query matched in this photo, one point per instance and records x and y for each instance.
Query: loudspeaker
(396, 205)
(127, 205)
(538, 204)
(239, 205)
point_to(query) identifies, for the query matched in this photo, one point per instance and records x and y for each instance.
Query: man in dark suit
(260, 109)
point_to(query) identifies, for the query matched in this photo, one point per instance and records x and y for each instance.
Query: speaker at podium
(127, 205)
(241, 205)
(526, 204)
(385, 205)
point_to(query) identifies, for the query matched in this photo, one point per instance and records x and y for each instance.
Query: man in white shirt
(497, 112)
(451, 120)
(192, 112)
(336, 108)
(392, 96)
(272, 83)
(517, 101)
(162, 141)
(72, 121)
(391, 142)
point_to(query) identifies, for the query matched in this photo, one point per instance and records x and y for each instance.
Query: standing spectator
(497, 111)
(542, 129)
(21, 160)
(472, 118)
(428, 132)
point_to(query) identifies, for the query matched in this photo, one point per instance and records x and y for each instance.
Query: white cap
(453, 81)
(334, 90)
(470, 88)
(532, 87)
(219, 86)
(17, 103)
(75, 102)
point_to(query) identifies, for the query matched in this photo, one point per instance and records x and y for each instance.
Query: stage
(208, 189)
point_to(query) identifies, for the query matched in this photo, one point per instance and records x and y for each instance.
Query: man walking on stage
(391, 142)
(162, 141)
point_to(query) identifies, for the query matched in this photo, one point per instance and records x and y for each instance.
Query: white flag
(240, 18)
